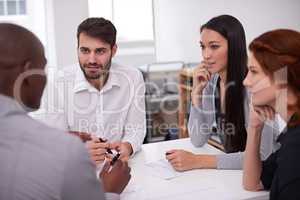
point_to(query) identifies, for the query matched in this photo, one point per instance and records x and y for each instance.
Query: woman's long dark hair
(232, 29)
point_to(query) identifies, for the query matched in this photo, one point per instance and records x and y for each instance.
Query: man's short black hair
(99, 28)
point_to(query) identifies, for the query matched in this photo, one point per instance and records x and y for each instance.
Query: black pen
(113, 161)
(115, 158)
(108, 150)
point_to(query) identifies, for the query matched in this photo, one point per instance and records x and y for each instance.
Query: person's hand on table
(181, 160)
(116, 179)
(97, 150)
(124, 148)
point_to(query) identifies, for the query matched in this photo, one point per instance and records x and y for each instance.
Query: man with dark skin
(39, 162)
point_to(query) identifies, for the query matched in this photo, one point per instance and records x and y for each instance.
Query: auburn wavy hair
(278, 49)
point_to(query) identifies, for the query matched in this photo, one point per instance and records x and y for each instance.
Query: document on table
(162, 169)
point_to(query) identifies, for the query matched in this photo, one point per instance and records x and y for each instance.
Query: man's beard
(102, 74)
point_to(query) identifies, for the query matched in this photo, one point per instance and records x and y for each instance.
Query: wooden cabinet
(185, 89)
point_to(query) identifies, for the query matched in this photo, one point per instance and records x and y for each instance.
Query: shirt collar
(281, 123)
(9, 105)
(82, 84)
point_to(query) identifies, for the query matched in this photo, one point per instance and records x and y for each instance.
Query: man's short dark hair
(99, 28)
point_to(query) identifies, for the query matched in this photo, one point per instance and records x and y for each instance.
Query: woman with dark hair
(219, 99)
(274, 84)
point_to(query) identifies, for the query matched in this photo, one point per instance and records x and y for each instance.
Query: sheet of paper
(162, 169)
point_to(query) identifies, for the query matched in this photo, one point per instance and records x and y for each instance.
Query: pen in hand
(108, 150)
(112, 162)
(115, 158)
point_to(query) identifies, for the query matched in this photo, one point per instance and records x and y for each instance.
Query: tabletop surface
(148, 184)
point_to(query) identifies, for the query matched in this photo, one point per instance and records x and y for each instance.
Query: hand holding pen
(98, 147)
(110, 152)
(124, 148)
(98, 150)
(115, 178)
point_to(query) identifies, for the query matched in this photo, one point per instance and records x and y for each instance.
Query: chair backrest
(162, 78)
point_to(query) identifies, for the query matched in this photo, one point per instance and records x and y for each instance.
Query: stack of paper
(162, 169)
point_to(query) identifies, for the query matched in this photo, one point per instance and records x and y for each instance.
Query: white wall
(177, 22)
(63, 18)
(34, 19)
(135, 54)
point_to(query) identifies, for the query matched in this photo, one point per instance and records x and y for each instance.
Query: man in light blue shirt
(39, 162)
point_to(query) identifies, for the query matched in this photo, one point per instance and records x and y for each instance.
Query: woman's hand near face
(259, 114)
(252, 162)
(201, 76)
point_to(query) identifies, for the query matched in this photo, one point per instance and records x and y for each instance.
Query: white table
(190, 185)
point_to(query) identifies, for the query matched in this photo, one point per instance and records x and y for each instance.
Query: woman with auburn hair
(220, 104)
(274, 84)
